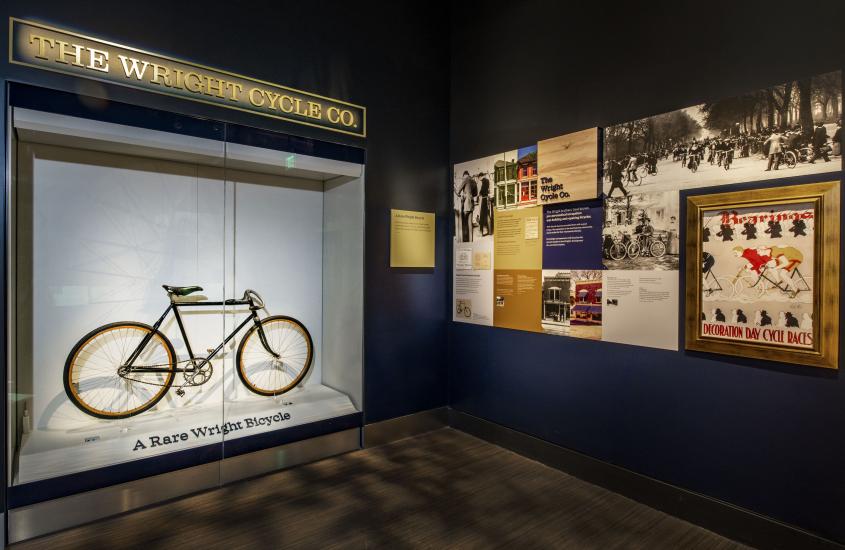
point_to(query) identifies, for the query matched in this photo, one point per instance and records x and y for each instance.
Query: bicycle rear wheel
(91, 377)
(266, 374)
(657, 249)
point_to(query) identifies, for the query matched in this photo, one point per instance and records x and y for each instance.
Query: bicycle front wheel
(617, 251)
(725, 289)
(790, 159)
(749, 287)
(279, 362)
(92, 377)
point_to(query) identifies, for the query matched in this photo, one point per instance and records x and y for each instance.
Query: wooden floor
(444, 489)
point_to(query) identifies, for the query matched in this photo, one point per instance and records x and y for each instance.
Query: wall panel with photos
(579, 235)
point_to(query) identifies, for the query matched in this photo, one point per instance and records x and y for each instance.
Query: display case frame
(86, 495)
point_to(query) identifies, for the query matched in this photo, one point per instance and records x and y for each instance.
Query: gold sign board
(411, 239)
(43, 47)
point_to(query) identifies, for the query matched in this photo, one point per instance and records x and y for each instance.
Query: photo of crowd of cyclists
(793, 127)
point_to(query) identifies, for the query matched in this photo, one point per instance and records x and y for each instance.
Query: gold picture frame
(768, 274)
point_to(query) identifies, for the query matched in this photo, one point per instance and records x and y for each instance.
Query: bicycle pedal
(180, 392)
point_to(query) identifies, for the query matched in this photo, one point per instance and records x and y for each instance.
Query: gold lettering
(333, 115)
(343, 116)
(234, 90)
(289, 108)
(134, 70)
(98, 60)
(208, 82)
(196, 85)
(314, 110)
(177, 78)
(347, 118)
(252, 97)
(218, 89)
(64, 51)
(273, 97)
(160, 73)
(42, 42)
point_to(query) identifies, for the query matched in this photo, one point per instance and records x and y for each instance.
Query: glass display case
(175, 297)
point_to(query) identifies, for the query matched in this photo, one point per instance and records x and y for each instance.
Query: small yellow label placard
(411, 238)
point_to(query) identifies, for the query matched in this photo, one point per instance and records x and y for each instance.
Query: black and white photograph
(790, 129)
(640, 231)
(474, 197)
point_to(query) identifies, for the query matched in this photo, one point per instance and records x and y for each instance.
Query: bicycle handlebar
(250, 297)
(254, 297)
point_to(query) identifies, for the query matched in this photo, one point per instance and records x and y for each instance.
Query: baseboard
(387, 431)
(718, 516)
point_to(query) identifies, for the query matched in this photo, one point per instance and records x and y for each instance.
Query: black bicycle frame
(777, 284)
(174, 306)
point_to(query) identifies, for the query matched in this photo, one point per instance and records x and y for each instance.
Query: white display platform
(51, 453)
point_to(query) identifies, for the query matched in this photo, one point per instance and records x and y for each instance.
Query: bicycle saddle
(181, 290)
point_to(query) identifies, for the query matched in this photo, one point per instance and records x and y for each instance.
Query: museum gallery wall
(579, 235)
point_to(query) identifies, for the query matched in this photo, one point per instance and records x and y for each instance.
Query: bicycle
(692, 164)
(791, 157)
(631, 176)
(112, 371)
(647, 245)
(616, 249)
(723, 292)
(749, 287)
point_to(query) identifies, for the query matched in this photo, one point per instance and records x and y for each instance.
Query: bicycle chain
(167, 365)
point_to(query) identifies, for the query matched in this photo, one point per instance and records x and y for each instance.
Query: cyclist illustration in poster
(771, 276)
(775, 229)
(749, 230)
(798, 228)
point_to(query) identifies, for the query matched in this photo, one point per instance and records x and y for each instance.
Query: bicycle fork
(263, 338)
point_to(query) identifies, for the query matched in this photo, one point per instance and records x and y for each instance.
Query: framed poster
(763, 274)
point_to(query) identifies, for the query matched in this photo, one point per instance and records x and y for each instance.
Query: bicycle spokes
(274, 371)
(99, 383)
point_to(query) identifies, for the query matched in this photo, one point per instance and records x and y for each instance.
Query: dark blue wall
(390, 57)
(762, 436)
